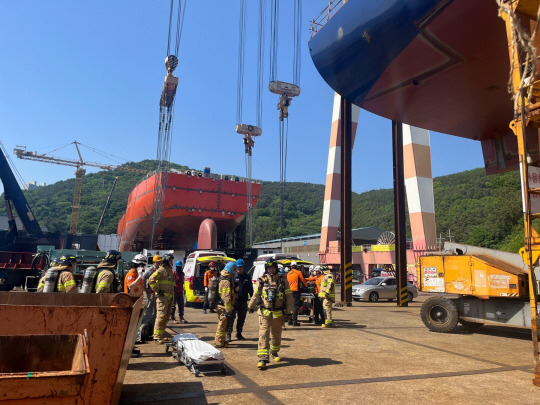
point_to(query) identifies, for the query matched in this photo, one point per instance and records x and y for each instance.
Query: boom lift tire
(439, 314)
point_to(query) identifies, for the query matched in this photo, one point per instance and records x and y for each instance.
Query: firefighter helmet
(167, 257)
(112, 256)
(67, 260)
(157, 258)
(270, 263)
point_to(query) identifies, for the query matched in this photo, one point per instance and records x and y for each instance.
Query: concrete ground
(378, 353)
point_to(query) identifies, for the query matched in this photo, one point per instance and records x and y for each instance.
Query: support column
(399, 215)
(346, 218)
(419, 187)
(332, 194)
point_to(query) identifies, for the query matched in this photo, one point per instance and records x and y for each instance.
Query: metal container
(110, 321)
(41, 366)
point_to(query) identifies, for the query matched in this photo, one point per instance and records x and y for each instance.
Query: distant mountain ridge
(477, 209)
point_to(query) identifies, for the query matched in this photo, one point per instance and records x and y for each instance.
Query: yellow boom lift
(493, 289)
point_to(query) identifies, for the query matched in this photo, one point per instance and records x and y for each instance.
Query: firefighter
(146, 330)
(162, 283)
(178, 293)
(211, 272)
(327, 294)
(106, 281)
(225, 303)
(276, 304)
(295, 277)
(245, 290)
(60, 277)
(318, 313)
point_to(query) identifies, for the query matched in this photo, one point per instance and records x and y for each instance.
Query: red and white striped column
(332, 195)
(419, 187)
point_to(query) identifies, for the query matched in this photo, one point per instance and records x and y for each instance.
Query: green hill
(477, 209)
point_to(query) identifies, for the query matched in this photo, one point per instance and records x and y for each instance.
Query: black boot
(239, 336)
(229, 337)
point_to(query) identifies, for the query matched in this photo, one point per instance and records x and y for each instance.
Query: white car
(380, 288)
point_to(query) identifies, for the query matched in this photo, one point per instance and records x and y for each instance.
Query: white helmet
(311, 267)
(139, 259)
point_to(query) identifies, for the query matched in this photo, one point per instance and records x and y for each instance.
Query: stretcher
(196, 355)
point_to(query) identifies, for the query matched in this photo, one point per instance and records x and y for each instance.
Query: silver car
(380, 288)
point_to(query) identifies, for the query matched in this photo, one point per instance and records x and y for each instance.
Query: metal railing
(324, 17)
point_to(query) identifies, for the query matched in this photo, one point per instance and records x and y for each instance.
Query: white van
(258, 265)
(194, 268)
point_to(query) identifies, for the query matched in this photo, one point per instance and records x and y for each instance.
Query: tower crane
(79, 175)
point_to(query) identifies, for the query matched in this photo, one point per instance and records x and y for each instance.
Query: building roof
(367, 233)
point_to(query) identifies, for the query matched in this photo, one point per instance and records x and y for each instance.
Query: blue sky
(93, 72)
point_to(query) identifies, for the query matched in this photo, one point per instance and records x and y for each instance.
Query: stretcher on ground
(196, 355)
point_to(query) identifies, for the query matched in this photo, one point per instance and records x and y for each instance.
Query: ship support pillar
(399, 215)
(346, 218)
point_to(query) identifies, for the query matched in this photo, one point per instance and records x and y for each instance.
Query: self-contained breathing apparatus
(272, 293)
(53, 274)
(89, 280)
(213, 289)
(51, 280)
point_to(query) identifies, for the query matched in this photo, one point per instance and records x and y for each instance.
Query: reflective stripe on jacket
(226, 293)
(328, 286)
(283, 300)
(162, 280)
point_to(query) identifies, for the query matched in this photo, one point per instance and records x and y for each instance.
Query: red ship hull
(187, 201)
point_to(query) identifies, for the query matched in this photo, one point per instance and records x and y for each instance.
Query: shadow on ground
(309, 362)
(164, 393)
(152, 365)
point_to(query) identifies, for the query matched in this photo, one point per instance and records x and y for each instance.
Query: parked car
(380, 288)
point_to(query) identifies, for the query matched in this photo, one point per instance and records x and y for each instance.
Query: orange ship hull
(187, 201)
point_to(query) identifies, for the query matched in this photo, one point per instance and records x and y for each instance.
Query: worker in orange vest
(211, 272)
(133, 283)
(294, 277)
(134, 286)
(318, 312)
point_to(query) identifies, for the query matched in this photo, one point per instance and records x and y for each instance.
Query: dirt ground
(377, 353)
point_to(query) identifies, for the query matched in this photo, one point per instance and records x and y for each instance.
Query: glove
(251, 310)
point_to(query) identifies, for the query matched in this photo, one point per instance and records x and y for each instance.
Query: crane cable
(284, 120)
(166, 110)
(248, 141)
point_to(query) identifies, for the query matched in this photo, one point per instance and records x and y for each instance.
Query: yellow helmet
(157, 258)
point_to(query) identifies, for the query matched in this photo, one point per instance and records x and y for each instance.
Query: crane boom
(79, 175)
